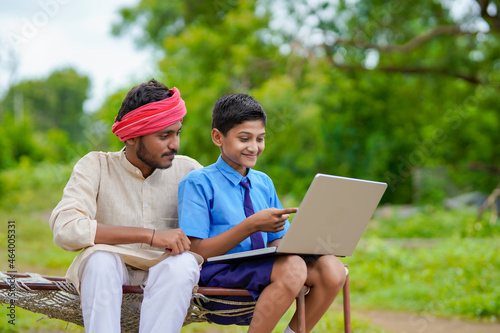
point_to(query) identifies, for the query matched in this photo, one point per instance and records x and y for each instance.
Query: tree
(54, 102)
(411, 37)
(368, 89)
(211, 48)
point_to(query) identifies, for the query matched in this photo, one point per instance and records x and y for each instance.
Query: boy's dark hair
(144, 93)
(234, 109)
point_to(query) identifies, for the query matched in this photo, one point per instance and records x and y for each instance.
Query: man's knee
(183, 266)
(102, 276)
(189, 266)
(103, 263)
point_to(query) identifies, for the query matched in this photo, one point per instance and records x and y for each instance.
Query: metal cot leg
(347, 306)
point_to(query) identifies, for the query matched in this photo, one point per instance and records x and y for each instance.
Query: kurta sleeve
(73, 220)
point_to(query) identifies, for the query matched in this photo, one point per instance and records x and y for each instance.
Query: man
(121, 208)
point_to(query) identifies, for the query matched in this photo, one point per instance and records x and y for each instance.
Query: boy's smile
(242, 145)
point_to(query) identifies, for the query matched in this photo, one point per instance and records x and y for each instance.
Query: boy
(216, 212)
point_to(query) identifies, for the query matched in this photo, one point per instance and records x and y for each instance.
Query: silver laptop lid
(332, 216)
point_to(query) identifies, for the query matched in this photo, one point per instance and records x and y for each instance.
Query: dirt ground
(414, 323)
(399, 322)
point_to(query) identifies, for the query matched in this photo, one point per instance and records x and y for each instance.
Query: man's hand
(271, 219)
(173, 241)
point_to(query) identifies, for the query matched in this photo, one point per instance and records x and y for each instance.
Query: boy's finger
(290, 210)
(280, 226)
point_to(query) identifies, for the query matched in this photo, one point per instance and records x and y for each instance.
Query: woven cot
(56, 298)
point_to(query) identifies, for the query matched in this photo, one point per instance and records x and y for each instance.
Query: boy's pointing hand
(272, 219)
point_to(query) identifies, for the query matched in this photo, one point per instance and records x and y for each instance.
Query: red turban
(151, 118)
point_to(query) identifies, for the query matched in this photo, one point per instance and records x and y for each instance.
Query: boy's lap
(252, 275)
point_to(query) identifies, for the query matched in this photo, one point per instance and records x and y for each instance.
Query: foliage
(22, 149)
(40, 121)
(430, 222)
(429, 92)
(446, 277)
(102, 137)
(17, 141)
(33, 187)
(54, 102)
(327, 112)
(436, 38)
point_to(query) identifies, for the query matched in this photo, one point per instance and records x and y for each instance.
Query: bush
(431, 222)
(32, 187)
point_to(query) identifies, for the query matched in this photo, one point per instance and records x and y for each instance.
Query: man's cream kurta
(107, 188)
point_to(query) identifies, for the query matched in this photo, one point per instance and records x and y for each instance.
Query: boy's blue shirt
(211, 201)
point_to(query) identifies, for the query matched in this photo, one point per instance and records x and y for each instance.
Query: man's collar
(130, 167)
(126, 163)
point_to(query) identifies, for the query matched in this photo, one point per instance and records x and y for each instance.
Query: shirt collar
(126, 163)
(132, 168)
(232, 175)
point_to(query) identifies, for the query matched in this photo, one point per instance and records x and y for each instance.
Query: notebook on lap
(330, 220)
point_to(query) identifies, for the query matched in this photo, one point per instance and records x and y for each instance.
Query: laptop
(330, 220)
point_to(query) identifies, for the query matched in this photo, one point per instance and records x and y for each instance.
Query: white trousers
(167, 293)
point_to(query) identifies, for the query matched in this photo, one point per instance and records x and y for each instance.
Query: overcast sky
(51, 34)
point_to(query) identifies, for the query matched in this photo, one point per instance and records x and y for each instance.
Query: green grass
(34, 248)
(27, 322)
(35, 253)
(332, 321)
(442, 277)
(32, 188)
(440, 262)
(433, 222)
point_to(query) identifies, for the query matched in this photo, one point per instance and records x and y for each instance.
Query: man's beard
(149, 159)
